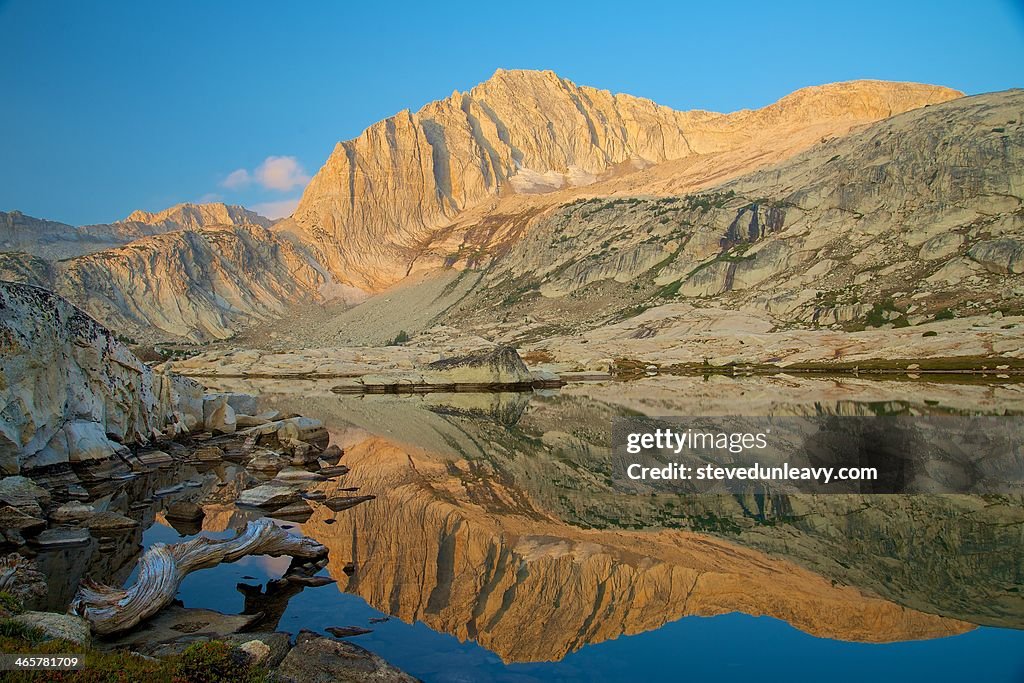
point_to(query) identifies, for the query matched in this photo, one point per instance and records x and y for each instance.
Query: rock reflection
(509, 532)
(454, 546)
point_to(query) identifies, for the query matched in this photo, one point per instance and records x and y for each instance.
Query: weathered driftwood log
(163, 567)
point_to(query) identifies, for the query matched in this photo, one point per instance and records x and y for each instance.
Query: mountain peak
(194, 216)
(528, 132)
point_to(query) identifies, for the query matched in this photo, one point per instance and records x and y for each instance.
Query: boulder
(267, 461)
(221, 420)
(57, 626)
(78, 441)
(298, 512)
(481, 369)
(303, 454)
(180, 399)
(24, 494)
(347, 631)
(295, 475)
(941, 246)
(152, 457)
(72, 512)
(109, 521)
(316, 659)
(239, 402)
(185, 511)
(332, 454)
(212, 402)
(290, 429)
(174, 628)
(62, 537)
(249, 420)
(208, 454)
(999, 256)
(339, 503)
(545, 378)
(13, 537)
(257, 650)
(309, 581)
(333, 471)
(12, 518)
(275, 646)
(269, 495)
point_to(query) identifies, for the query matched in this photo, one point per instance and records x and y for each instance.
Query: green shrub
(930, 333)
(876, 316)
(216, 662)
(10, 604)
(399, 339)
(15, 629)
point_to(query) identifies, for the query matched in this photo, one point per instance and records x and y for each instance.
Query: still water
(497, 549)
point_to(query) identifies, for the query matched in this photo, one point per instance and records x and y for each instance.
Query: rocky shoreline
(276, 469)
(96, 447)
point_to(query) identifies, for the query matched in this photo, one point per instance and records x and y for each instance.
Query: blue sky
(113, 106)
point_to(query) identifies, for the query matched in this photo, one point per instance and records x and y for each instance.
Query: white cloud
(236, 179)
(278, 209)
(211, 197)
(275, 173)
(280, 173)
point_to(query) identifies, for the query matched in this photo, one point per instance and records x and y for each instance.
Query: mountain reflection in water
(495, 520)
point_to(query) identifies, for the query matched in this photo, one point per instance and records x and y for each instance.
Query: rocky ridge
(379, 197)
(911, 217)
(896, 229)
(52, 241)
(457, 184)
(187, 284)
(908, 228)
(195, 217)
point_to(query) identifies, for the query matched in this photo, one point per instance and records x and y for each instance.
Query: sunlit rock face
(791, 247)
(193, 284)
(71, 392)
(380, 196)
(193, 271)
(455, 545)
(898, 222)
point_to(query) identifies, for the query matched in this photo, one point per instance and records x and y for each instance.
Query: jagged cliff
(70, 392)
(912, 220)
(379, 197)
